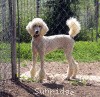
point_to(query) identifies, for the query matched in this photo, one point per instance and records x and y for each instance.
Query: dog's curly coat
(41, 44)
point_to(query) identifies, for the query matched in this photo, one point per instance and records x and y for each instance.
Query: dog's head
(37, 27)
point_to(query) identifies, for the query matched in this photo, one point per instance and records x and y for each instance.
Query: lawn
(5, 52)
(83, 52)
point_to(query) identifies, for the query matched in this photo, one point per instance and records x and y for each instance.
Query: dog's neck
(37, 38)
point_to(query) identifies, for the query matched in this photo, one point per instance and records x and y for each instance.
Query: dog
(41, 45)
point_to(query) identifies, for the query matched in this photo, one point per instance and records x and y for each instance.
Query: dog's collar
(35, 36)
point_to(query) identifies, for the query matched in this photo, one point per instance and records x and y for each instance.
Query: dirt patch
(61, 68)
(5, 71)
(23, 89)
(64, 89)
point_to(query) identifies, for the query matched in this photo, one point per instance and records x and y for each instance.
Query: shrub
(83, 51)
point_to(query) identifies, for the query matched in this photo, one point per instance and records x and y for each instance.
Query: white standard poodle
(41, 44)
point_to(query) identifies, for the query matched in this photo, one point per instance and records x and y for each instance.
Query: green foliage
(78, 82)
(25, 51)
(5, 55)
(55, 56)
(86, 35)
(87, 51)
(83, 52)
(23, 35)
(56, 12)
(26, 79)
(26, 11)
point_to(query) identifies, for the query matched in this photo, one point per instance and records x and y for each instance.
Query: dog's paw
(32, 72)
(73, 77)
(68, 79)
(40, 76)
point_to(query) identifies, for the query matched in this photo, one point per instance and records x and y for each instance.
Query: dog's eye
(39, 26)
(34, 26)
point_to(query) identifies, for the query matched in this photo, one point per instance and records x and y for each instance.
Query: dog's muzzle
(37, 31)
(36, 34)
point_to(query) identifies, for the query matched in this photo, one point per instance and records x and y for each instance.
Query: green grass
(78, 82)
(5, 54)
(87, 51)
(83, 52)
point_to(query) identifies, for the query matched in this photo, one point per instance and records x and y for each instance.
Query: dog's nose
(37, 32)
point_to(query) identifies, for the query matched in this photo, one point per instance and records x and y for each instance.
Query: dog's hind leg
(70, 67)
(75, 68)
(68, 53)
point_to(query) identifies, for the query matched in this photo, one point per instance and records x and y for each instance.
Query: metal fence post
(12, 16)
(18, 39)
(96, 17)
(37, 7)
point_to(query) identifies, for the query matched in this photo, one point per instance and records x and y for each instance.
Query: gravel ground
(53, 89)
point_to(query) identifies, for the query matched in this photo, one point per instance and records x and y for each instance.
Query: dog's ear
(45, 29)
(28, 28)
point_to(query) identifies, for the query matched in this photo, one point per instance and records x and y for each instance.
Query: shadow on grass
(29, 89)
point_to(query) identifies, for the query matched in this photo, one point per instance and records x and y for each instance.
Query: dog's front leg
(42, 71)
(34, 59)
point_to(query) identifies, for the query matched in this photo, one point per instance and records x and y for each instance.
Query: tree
(57, 12)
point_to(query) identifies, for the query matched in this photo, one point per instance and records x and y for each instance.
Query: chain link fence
(56, 12)
(7, 43)
(15, 15)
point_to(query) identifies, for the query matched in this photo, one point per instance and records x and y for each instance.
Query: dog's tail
(74, 26)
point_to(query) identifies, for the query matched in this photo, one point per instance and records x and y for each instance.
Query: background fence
(54, 12)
